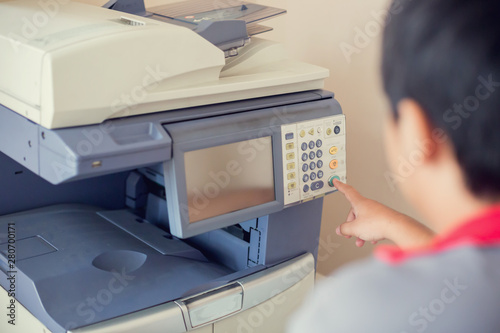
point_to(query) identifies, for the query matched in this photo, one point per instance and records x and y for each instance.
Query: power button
(330, 181)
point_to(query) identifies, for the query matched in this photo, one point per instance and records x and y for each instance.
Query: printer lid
(88, 64)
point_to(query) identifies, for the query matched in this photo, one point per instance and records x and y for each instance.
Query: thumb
(348, 229)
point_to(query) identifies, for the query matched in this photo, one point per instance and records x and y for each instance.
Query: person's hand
(369, 220)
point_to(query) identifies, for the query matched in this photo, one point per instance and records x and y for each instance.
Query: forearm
(407, 232)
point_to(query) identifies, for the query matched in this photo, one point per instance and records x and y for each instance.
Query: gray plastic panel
(82, 152)
(119, 272)
(210, 132)
(116, 145)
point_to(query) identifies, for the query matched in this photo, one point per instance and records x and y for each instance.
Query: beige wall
(313, 31)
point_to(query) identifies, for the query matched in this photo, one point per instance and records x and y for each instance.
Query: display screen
(228, 178)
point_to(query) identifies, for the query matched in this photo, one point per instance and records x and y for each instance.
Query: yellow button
(292, 186)
(328, 131)
(290, 146)
(290, 156)
(302, 133)
(334, 150)
(334, 164)
(290, 166)
(291, 176)
(311, 131)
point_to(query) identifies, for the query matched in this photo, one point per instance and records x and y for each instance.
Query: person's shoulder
(350, 300)
(372, 295)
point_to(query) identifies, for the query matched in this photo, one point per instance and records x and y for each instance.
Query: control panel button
(317, 185)
(312, 152)
(330, 181)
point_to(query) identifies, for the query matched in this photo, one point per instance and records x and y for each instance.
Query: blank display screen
(228, 178)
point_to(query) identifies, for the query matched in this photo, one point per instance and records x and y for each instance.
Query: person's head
(441, 70)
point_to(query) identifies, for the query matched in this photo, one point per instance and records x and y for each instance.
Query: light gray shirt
(453, 291)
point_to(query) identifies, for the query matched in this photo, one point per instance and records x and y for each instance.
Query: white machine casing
(128, 69)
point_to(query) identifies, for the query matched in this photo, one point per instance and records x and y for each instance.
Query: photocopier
(161, 169)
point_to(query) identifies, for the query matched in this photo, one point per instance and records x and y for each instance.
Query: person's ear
(415, 132)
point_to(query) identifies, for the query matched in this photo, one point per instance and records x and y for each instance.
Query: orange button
(334, 150)
(334, 164)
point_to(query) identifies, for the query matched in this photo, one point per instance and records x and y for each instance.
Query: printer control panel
(314, 153)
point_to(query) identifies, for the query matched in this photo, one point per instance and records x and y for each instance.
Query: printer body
(153, 179)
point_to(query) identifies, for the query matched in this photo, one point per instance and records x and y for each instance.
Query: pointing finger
(350, 192)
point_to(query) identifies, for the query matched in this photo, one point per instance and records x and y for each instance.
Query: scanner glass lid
(229, 178)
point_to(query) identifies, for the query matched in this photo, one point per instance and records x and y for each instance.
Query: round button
(304, 146)
(305, 178)
(334, 164)
(312, 166)
(334, 150)
(336, 130)
(305, 167)
(319, 143)
(319, 164)
(311, 144)
(306, 188)
(313, 176)
(328, 131)
(302, 133)
(320, 174)
(330, 181)
(319, 153)
(304, 157)
(312, 155)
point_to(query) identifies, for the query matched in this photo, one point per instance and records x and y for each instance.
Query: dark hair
(445, 54)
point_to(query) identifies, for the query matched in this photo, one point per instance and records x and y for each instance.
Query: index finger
(350, 192)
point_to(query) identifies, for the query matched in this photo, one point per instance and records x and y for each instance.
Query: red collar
(481, 231)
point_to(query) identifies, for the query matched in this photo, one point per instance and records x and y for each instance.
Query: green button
(330, 181)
